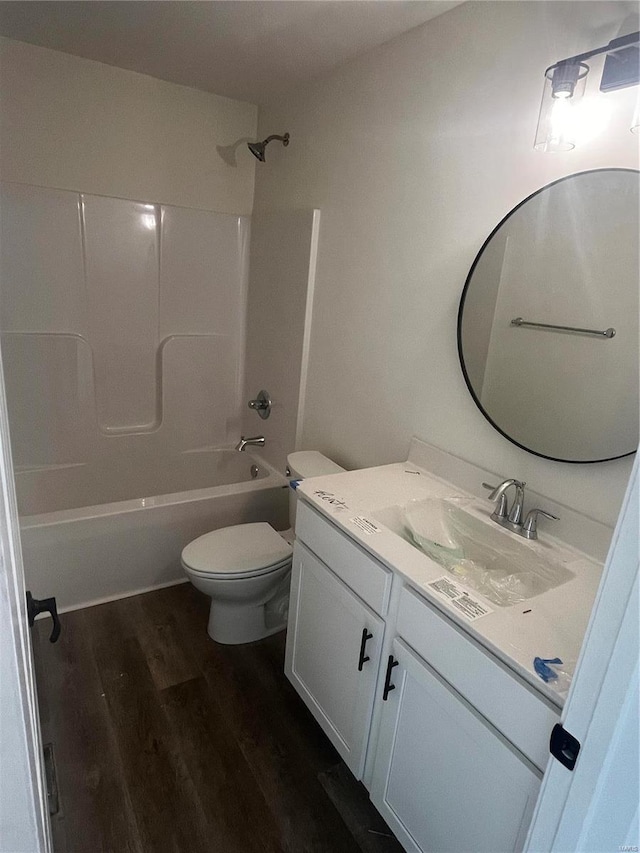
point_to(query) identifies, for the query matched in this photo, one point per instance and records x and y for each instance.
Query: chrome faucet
(256, 441)
(511, 519)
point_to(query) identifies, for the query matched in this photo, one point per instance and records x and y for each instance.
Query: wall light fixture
(564, 85)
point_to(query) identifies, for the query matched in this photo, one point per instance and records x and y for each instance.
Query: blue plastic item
(294, 484)
(545, 672)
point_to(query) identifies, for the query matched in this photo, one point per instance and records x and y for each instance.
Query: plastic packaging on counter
(438, 527)
(555, 672)
(502, 571)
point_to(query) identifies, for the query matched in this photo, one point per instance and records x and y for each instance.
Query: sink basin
(496, 563)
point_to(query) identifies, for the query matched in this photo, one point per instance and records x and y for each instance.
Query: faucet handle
(262, 404)
(501, 512)
(530, 527)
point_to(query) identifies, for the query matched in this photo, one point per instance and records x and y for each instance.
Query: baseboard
(107, 598)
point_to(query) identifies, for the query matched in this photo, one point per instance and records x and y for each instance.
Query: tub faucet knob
(262, 404)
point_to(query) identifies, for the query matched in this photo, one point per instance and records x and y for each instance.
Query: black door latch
(43, 605)
(564, 746)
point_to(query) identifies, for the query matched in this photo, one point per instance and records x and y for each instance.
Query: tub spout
(256, 441)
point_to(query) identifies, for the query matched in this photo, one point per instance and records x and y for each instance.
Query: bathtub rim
(273, 479)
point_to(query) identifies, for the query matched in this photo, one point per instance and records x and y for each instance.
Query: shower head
(257, 148)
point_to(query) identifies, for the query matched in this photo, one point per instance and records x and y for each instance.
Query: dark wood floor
(167, 741)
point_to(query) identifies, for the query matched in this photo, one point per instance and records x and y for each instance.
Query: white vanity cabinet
(449, 740)
(444, 778)
(334, 645)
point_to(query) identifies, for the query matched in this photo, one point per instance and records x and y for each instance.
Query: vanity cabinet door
(444, 779)
(334, 643)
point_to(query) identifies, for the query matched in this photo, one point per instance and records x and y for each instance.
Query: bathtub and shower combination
(123, 338)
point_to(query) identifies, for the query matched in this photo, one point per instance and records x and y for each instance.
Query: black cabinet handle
(44, 605)
(388, 686)
(363, 645)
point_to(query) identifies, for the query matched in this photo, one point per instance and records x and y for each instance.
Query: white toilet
(246, 569)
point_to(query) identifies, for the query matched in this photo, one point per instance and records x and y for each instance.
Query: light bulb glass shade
(564, 86)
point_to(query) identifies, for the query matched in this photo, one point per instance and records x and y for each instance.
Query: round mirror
(548, 320)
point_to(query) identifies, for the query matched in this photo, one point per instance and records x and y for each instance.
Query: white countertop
(549, 625)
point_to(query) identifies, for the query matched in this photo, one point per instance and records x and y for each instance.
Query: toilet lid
(237, 550)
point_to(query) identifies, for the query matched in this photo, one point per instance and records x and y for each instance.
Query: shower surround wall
(122, 332)
(284, 246)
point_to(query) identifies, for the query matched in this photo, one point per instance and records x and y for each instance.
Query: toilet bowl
(246, 569)
(241, 569)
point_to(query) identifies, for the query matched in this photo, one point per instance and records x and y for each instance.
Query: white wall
(414, 152)
(75, 124)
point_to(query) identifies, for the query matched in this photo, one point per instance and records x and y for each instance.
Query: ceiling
(253, 50)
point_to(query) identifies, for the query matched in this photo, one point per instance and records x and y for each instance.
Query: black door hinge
(51, 779)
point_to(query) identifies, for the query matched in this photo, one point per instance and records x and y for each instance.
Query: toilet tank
(303, 464)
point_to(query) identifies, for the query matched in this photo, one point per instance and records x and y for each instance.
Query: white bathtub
(141, 516)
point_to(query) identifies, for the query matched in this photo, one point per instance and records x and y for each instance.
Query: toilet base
(232, 625)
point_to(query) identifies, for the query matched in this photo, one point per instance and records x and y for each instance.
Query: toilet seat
(233, 576)
(240, 551)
